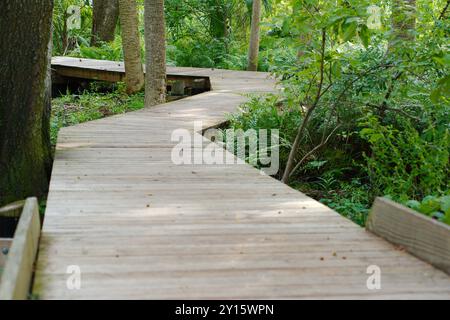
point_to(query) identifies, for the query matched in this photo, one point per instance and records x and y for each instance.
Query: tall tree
(155, 52)
(403, 19)
(104, 20)
(253, 49)
(134, 75)
(25, 152)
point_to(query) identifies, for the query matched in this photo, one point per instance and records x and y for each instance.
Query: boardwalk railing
(18, 269)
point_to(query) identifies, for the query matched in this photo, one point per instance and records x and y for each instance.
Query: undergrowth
(71, 109)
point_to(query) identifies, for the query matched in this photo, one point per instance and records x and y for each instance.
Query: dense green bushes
(214, 53)
(383, 104)
(432, 206)
(406, 164)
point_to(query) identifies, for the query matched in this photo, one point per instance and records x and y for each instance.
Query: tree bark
(25, 153)
(254, 37)
(104, 20)
(155, 52)
(134, 75)
(403, 19)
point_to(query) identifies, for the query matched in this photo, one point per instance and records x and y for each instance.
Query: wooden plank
(16, 278)
(115, 72)
(12, 210)
(99, 75)
(5, 244)
(420, 235)
(140, 227)
(178, 88)
(217, 79)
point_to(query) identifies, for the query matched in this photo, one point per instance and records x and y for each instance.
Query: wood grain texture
(420, 235)
(16, 277)
(140, 227)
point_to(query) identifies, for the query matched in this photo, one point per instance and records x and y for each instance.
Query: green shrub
(405, 164)
(72, 109)
(103, 51)
(269, 112)
(350, 199)
(210, 53)
(436, 207)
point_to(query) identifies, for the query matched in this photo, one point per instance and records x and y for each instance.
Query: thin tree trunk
(403, 19)
(104, 20)
(25, 154)
(155, 52)
(65, 35)
(254, 37)
(299, 137)
(134, 75)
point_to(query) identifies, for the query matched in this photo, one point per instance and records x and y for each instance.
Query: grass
(72, 109)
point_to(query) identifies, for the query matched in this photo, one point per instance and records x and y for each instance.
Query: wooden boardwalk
(140, 227)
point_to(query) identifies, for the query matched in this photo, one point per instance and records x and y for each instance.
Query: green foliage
(207, 33)
(386, 111)
(64, 40)
(72, 109)
(405, 164)
(213, 53)
(436, 207)
(351, 199)
(103, 51)
(268, 112)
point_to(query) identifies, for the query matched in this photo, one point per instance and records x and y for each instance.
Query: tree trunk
(254, 37)
(290, 165)
(403, 21)
(104, 20)
(155, 53)
(25, 153)
(134, 75)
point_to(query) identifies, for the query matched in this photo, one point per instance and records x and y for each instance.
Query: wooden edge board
(5, 243)
(17, 274)
(12, 210)
(420, 235)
